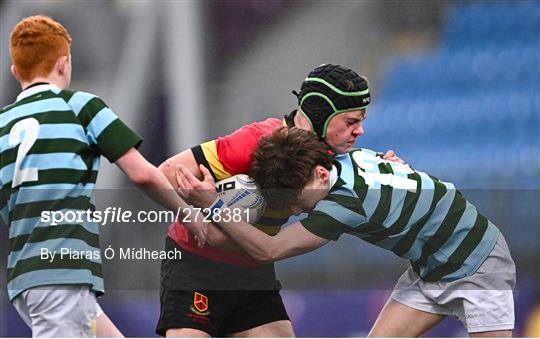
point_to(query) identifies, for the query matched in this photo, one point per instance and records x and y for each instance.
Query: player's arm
(113, 139)
(215, 237)
(185, 158)
(152, 181)
(154, 184)
(290, 241)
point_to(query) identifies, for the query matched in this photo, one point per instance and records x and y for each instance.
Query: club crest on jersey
(200, 304)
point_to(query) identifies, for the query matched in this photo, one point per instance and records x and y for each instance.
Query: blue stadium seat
(479, 90)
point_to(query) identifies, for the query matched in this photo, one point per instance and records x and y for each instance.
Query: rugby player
(194, 302)
(51, 143)
(460, 264)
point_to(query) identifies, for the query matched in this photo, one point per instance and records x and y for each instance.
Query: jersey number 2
(30, 127)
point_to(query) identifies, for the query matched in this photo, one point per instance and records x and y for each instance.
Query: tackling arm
(290, 241)
(215, 237)
(154, 184)
(149, 179)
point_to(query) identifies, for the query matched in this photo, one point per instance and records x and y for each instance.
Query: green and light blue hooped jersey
(408, 212)
(51, 141)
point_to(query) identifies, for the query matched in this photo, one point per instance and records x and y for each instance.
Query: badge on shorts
(200, 304)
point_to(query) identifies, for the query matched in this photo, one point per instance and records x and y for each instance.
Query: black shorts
(216, 298)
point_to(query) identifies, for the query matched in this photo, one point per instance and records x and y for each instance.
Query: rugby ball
(242, 197)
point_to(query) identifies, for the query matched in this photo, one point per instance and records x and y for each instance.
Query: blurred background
(456, 93)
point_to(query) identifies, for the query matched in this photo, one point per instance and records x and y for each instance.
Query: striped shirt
(408, 212)
(51, 142)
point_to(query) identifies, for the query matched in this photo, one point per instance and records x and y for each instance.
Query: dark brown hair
(283, 164)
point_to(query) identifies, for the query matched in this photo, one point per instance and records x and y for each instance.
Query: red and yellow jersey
(224, 157)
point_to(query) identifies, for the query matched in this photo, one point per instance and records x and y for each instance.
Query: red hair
(36, 43)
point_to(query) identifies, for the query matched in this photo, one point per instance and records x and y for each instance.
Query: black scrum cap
(330, 90)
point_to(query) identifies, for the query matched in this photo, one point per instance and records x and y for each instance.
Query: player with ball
(460, 263)
(221, 290)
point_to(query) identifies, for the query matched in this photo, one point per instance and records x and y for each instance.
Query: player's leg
(201, 298)
(399, 320)
(410, 311)
(59, 311)
(484, 301)
(186, 333)
(185, 310)
(260, 313)
(492, 334)
(104, 326)
(275, 329)
(182, 316)
(486, 313)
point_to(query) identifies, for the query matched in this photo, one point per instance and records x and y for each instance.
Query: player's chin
(344, 148)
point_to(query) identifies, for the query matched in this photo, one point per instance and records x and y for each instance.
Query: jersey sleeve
(105, 131)
(206, 154)
(331, 218)
(321, 226)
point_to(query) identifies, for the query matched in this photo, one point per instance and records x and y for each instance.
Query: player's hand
(391, 156)
(196, 192)
(199, 229)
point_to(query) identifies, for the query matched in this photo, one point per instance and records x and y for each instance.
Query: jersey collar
(333, 176)
(35, 89)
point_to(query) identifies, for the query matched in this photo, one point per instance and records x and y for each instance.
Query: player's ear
(322, 174)
(62, 64)
(15, 73)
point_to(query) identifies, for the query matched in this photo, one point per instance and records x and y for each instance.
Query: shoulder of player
(73, 96)
(42, 95)
(253, 131)
(364, 150)
(265, 125)
(85, 105)
(6, 108)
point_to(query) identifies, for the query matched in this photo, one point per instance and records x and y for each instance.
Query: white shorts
(59, 311)
(483, 301)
